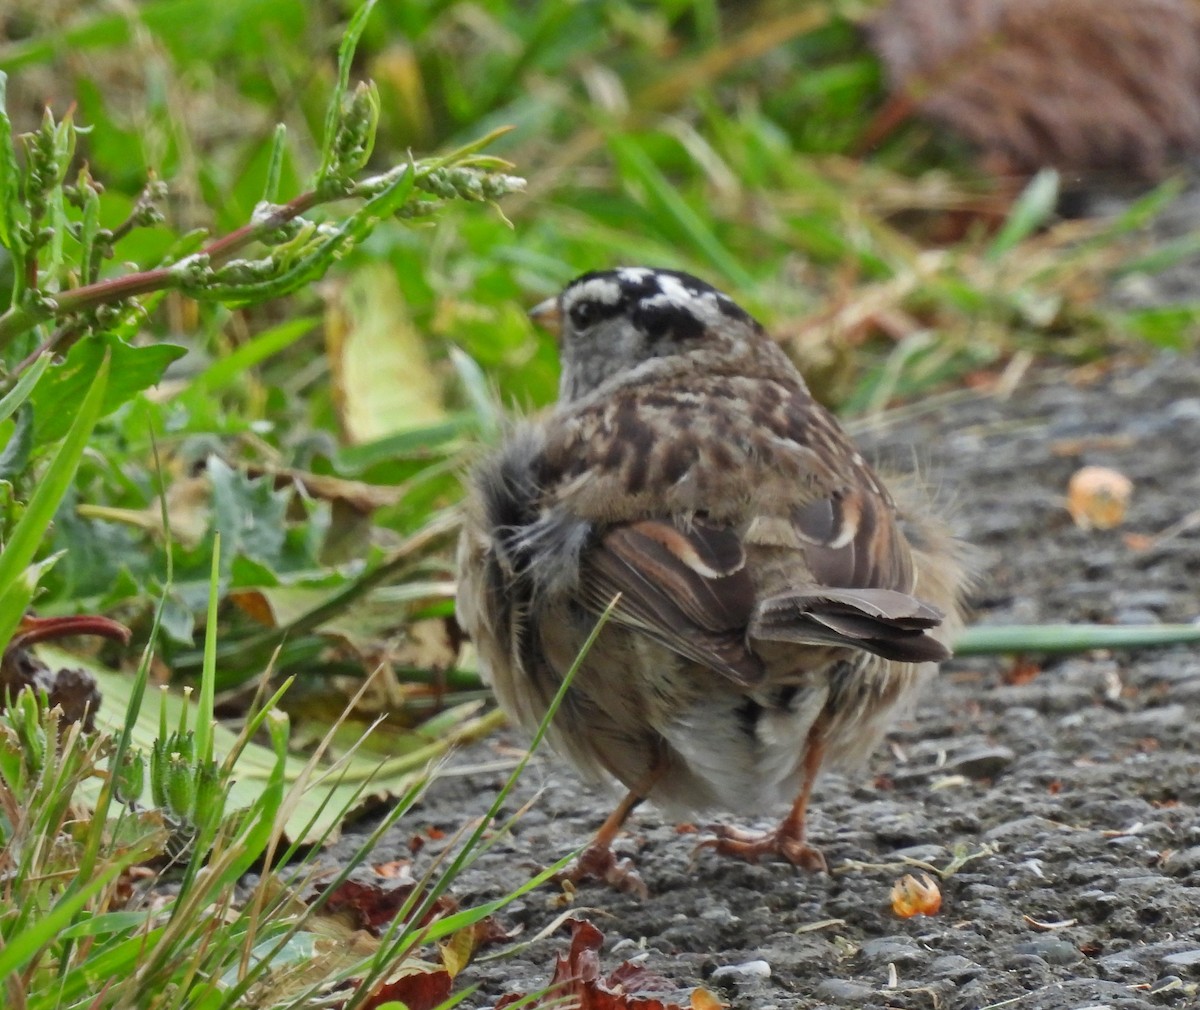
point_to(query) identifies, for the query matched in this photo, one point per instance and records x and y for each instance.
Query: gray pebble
(955, 967)
(1137, 617)
(1051, 949)
(842, 991)
(1184, 410)
(1183, 959)
(1162, 716)
(982, 763)
(1185, 861)
(1120, 965)
(897, 950)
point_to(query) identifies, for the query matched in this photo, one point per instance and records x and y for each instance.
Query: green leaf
(231, 368)
(28, 534)
(133, 369)
(15, 456)
(12, 211)
(1171, 326)
(418, 443)
(275, 165)
(249, 514)
(106, 924)
(20, 392)
(333, 112)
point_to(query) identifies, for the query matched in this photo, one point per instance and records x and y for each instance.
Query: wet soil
(1073, 782)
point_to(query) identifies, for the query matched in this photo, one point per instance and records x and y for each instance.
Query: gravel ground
(1076, 787)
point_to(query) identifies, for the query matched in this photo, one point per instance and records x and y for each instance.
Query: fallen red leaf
(1022, 671)
(576, 983)
(373, 904)
(422, 990)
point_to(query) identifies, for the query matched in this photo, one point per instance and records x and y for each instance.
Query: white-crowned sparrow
(776, 603)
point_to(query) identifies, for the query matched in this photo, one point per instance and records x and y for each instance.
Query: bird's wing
(840, 573)
(882, 621)
(857, 583)
(687, 589)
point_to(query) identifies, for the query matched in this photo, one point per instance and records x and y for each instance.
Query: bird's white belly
(728, 761)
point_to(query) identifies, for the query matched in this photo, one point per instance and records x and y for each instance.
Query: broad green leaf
(132, 369)
(249, 514)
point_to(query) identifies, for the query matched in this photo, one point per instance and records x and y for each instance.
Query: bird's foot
(752, 846)
(598, 862)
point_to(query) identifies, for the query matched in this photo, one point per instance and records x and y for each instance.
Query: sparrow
(768, 603)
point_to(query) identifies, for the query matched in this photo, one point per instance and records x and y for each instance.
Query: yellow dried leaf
(383, 380)
(458, 949)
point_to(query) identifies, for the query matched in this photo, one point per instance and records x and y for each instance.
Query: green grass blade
(1031, 210)
(1064, 638)
(394, 943)
(24, 386)
(670, 203)
(18, 949)
(231, 368)
(208, 673)
(30, 531)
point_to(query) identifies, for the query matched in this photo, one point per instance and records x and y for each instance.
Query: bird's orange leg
(787, 841)
(598, 861)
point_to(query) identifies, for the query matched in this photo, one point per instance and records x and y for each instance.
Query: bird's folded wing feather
(689, 590)
(887, 623)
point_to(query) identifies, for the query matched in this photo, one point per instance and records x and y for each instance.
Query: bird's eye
(583, 314)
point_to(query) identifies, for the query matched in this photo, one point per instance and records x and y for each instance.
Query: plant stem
(19, 319)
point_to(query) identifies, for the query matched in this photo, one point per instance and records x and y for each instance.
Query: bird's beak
(547, 314)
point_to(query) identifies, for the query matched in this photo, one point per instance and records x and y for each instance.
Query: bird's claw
(753, 846)
(600, 863)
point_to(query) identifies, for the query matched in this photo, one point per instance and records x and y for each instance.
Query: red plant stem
(41, 629)
(17, 320)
